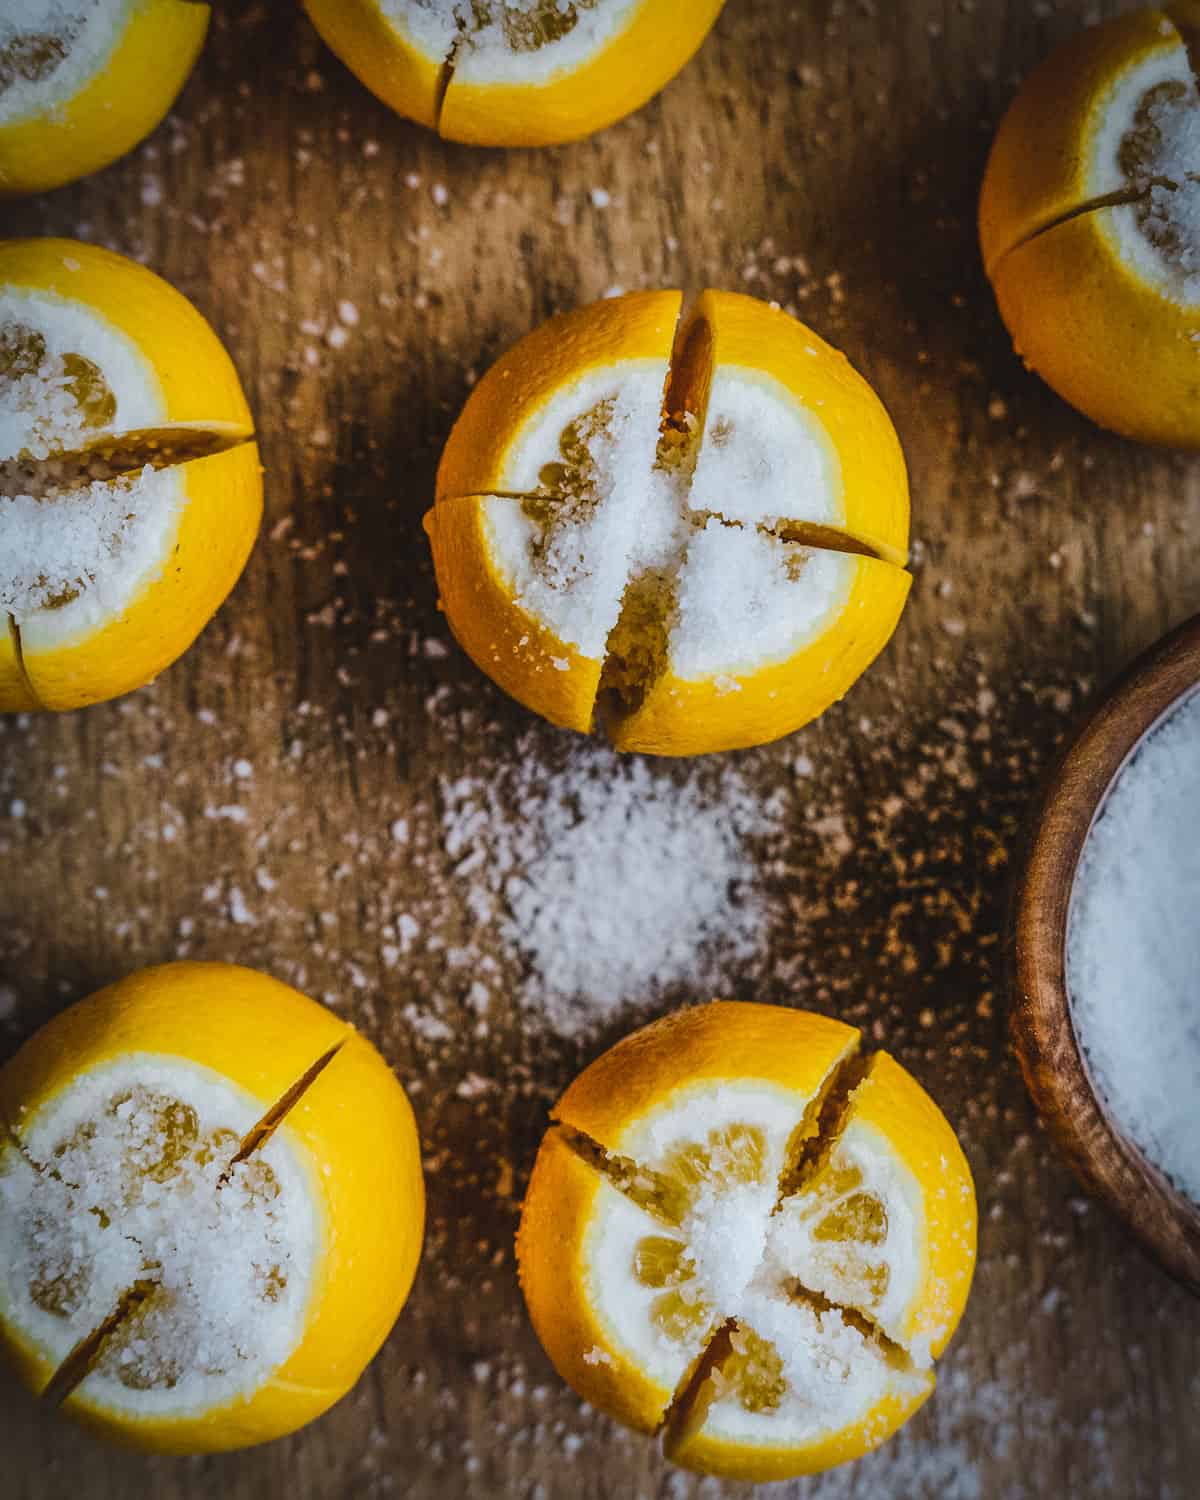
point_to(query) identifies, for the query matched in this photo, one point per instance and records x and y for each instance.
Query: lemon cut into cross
(1089, 221)
(211, 1208)
(514, 72)
(130, 487)
(83, 81)
(691, 539)
(743, 1235)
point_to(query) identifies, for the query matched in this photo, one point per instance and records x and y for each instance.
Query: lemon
(689, 538)
(744, 1235)
(1089, 221)
(105, 369)
(211, 1208)
(499, 73)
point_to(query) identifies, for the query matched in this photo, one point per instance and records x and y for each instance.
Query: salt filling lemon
(83, 81)
(719, 1245)
(107, 574)
(127, 1180)
(693, 551)
(211, 1208)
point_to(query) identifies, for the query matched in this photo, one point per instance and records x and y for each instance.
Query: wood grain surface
(826, 154)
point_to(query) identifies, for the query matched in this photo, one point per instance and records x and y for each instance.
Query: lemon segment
(792, 432)
(513, 423)
(654, 1072)
(577, 1250)
(158, 1077)
(896, 1135)
(808, 1392)
(827, 616)
(89, 99)
(483, 607)
(87, 651)
(142, 322)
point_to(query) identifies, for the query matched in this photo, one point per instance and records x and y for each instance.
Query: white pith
(689, 521)
(1115, 112)
(450, 29)
(92, 29)
(753, 1261)
(76, 556)
(230, 1266)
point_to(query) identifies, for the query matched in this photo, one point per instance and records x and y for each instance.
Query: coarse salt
(1133, 948)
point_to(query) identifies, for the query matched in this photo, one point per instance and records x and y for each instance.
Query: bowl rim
(1106, 1161)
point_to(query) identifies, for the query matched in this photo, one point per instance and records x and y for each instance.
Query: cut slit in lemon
(743, 1249)
(492, 73)
(1089, 223)
(691, 543)
(130, 488)
(197, 1252)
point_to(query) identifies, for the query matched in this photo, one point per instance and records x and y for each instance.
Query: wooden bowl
(1107, 1162)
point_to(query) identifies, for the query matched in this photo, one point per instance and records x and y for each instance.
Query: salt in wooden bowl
(1105, 1159)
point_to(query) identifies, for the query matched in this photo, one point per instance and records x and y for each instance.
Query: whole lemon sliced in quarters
(211, 1208)
(130, 492)
(745, 1236)
(691, 537)
(1089, 222)
(83, 81)
(514, 72)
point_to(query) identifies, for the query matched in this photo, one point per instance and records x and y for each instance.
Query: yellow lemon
(1089, 221)
(130, 494)
(211, 1208)
(744, 1235)
(83, 81)
(498, 73)
(690, 537)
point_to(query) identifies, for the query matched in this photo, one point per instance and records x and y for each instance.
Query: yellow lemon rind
(1111, 344)
(729, 711)
(353, 1129)
(218, 524)
(725, 1040)
(637, 329)
(748, 334)
(1039, 168)
(397, 72)
(504, 641)
(124, 101)
(656, 43)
